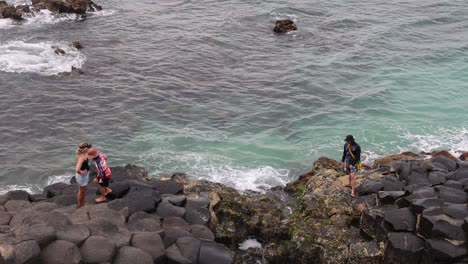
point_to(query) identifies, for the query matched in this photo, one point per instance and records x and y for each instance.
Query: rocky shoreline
(410, 208)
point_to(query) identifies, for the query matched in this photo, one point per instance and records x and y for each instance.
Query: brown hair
(92, 152)
(83, 148)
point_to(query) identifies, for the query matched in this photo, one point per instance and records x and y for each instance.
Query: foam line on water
(24, 57)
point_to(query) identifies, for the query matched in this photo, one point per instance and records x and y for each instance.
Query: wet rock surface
(408, 210)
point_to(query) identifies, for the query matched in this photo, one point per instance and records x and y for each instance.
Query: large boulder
(389, 197)
(167, 186)
(61, 252)
(448, 163)
(97, 249)
(9, 11)
(419, 205)
(66, 6)
(54, 189)
(167, 209)
(175, 223)
(18, 195)
(211, 252)
(200, 215)
(13, 206)
(27, 252)
(445, 251)
(189, 247)
(5, 218)
(132, 255)
(403, 248)
(174, 256)
(151, 243)
(371, 224)
(73, 233)
(42, 234)
(171, 236)
(137, 200)
(369, 187)
(202, 232)
(460, 174)
(143, 222)
(457, 211)
(451, 195)
(400, 219)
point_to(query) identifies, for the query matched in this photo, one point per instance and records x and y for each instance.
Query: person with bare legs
(82, 171)
(351, 160)
(103, 173)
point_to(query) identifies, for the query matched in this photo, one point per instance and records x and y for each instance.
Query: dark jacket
(356, 149)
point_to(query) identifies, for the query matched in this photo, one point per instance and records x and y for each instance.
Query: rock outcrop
(126, 229)
(410, 208)
(284, 26)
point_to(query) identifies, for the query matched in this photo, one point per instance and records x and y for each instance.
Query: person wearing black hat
(350, 160)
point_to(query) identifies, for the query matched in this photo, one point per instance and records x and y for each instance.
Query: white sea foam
(250, 243)
(23, 57)
(45, 16)
(243, 179)
(59, 178)
(30, 188)
(454, 140)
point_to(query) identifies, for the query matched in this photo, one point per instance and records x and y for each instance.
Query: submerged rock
(284, 26)
(9, 11)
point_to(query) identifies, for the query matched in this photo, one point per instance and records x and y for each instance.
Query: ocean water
(205, 87)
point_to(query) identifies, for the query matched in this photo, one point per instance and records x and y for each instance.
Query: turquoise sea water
(206, 88)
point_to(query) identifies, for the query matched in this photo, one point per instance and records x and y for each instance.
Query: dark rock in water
(75, 233)
(448, 163)
(23, 9)
(167, 186)
(171, 236)
(37, 198)
(17, 195)
(166, 209)
(66, 6)
(451, 195)
(175, 223)
(202, 232)
(400, 219)
(54, 189)
(369, 187)
(284, 26)
(211, 252)
(403, 248)
(387, 197)
(419, 205)
(151, 243)
(175, 256)
(61, 252)
(371, 224)
(200, 215)
(77, 45)
(456, 211)
(43, 235)
(59, 51)
(97, 249)
(445, 251)
(27, 252)
(9, 11)
(132, 255)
